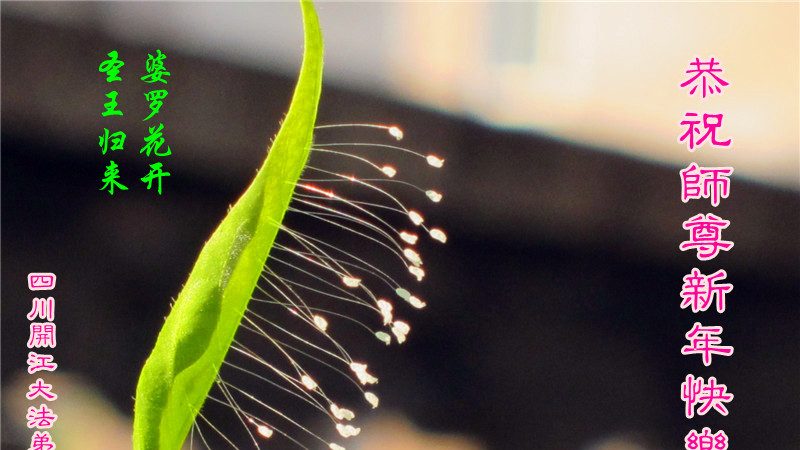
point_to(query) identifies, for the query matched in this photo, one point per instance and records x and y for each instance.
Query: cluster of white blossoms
(320, 278)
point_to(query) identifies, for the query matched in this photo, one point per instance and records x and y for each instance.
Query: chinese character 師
(155, 174)
(116, 139)
(42, 308)
(154, 141)
(110, 178)
(155, 97)
(711, 395)
(710, 123)
(706, 440)
(704, 74)
(699, 290)
(705, 182)
(111, 67)
(38, 281)
(705, 235)
(703, 341)
(41, 389)
(155, 68)
(38, 362)
(41, 440)
(41, 417)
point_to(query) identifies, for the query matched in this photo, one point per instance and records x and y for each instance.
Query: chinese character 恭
(699, 290)
(155, 68)
(154, 141)
(703, 341)
(705, 76)
(42, 335)
(705, 232)
(110, 178)
(38, 281)
(705, 182)
(710, 122)
(711, 395)
(706, 440)
(41, 389)
(42, 308)
(38, 362)
(116, 139)
(155, 97)
(41, 417)
(155, 173)
(111, 67)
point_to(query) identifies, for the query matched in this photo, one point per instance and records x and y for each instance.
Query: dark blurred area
(553, 318)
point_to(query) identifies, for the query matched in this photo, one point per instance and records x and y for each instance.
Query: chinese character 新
(699, 291)
(711, 122)
(704, 74)
(703, 341)
(705, 182)
(695, 391)
(705, 232)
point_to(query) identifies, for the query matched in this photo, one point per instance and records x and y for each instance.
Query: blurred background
(553, 318)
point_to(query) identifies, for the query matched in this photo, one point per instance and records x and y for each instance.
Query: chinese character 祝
(710, 123)
(705, 235)
(703, 341)
(705, 182)
(705, 76)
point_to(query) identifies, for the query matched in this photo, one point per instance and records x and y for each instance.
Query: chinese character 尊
(41, 389)
(42, 308)
(111, 105)
(42, 335)
(116, 139)
(154, 141)
(155, 97)
(705, 182)
(706, 440)
(38, 362)
(111, 67)
(155, 174)
(711, 122)
(703, 341)
(705, 235)
(705, 76)
(699, 290)
(695, 391)
(41, 440)
(155, 68)
(39, 281)
(110, 178)
(41, 417)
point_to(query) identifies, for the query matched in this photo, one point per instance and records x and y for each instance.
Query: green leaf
(179, 373)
